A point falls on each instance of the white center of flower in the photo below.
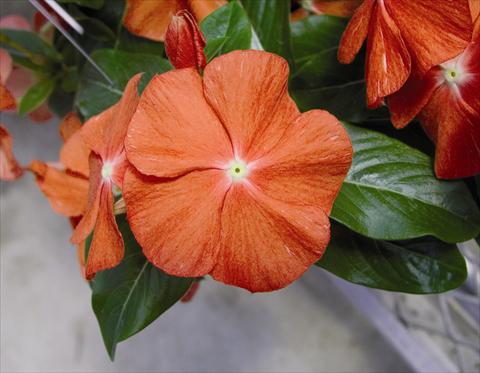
(452, 75)
(237, 170)
(107, 170)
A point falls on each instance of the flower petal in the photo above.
(41, 114)
(7, 101)
(6, 66)
(87, 224)
(388, 60)
(106, 248)
(248, 91)
(150, 19)
(446, 29)
(339, 8)
(455, 129)
(174, 130)
(309, 164)
(202, 8)
(15, 22)
(74, 154)
(9, 167)
(267, 244)
(356, 32)
(70, 124)
(177, 222)
(407, 102)
(66, 193)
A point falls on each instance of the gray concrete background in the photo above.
(47, 325)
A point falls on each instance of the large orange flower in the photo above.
(104, 134)
(150, 19)
(401, 34)
(231, 179)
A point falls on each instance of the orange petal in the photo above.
(177, 223)
(356, 32)
(94, 130)
(248, 91)
(6, 66)
(267, 244)
(86, 225)
(309, 163)
(150, 19)
(15, 22)
(339, 8)
(9, 167)
(19, 81)
(474, 9)
(74, 154)
(202, 8)
(445, 29)
(41, 114)
(106, 248)
(70, 124)
(388, 60)
(7, 101)
(407, 102)
(174, 130)
(66, 193)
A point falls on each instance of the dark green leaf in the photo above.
(95, 94)
(131, 43)
(95, 4)
(227, 29)
(391, 193)
(27, 43)
(419, 266)
(130, 296)
(61, 102)
(36, 96)
(271, 22)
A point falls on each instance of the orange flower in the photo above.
(447, 98)
(401, 34)
(340, 8)
(9, 167)
(15, 80)
(65, 184)
(104, 134)
(231, 179)
(150, 19)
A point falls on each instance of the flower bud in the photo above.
(184, 42)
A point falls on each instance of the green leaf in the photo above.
(27, 43)
(131, 43)
(95, 94)
(227, 29)
(271, 22)
(419, 266)
(94, 4)
(132, 295)
(61, 102)
(36, 95)
(391, 193)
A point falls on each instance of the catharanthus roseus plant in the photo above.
(208, 139)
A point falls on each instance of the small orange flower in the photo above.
(9, 167)
(231, 179)
(402, 34)
(150, 19)
(104, 134)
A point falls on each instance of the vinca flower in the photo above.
(402, 35)
(104, 135)
(229, 178)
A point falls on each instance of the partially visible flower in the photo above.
(402, 34)
(230, 178)
(184, 42)
(104, 134)
(9, 167)
(340, 8)
(150, 19)
(447, 98)
(15, 81)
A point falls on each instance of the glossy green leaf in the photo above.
(271, 22)
(132, 295)
(95, 94)
(391, 193)
(420, 266)
(227, 29)
(27, 43)
(36, 95)
(131, 43)
(94, 4)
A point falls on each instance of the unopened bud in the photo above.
(184, 42)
